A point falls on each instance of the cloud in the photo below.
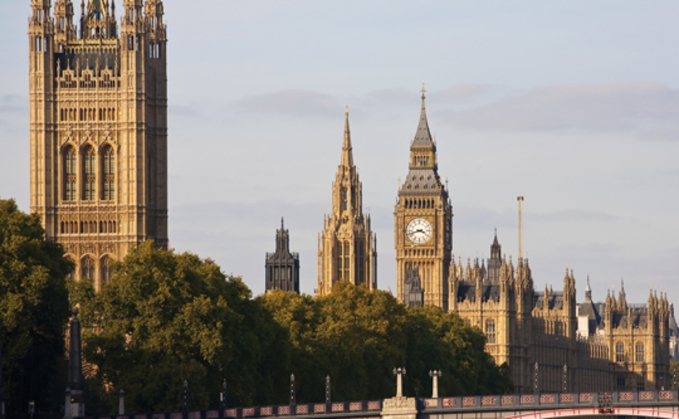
(647, 109)
(461, 92)
(572, 216)
(589, 249)
(300, 103)
(13, 104)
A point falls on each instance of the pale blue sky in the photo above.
(573, 104)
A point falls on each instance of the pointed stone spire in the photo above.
(588, 291)
(423, 135)
(347, 155)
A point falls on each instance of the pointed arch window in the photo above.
(89, 170)
(490, 331)
(69, 174)
(109, 174)
(87, 268)
(71, 273)
(346, 261)
(106, 270)
(640, 352)
(619, 352)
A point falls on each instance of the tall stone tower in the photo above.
(347, 249)
(98, 128)
(282, 267)
(423, 221)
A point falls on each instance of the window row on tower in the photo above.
(419, 203)
(88, 81)
(91, 173)
(87, 114)
(89, 268)
(344, 261)
(88, 227)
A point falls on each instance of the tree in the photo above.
(358, 336)
(34, 310)
(164, 318)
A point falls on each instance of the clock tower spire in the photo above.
(423, 220)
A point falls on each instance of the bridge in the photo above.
(651, 404)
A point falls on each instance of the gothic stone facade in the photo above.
(347, 248)
(423, 224)
(98, 128)
(282, 267)
(537, 333)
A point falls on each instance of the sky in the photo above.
(572, 104)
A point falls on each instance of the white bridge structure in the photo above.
(649, 404)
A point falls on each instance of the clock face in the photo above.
(418, 231)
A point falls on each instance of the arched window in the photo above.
(106, 270)
(87, 268)
(109, 174)
(639, 352)
(69, 174)
(619, 352)
(347, 264)
(490, 331)
(89, 170)
(71, 273)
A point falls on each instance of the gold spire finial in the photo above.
(423, 90)
(346, 110)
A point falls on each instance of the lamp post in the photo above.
(68, 412)
(536, 389)
(327, 389)
(565, 378)
(399, 373)
(292, 389)
(222, 395)
(435, 383)
(121, 402)
(185, 402)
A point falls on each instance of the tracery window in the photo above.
(639, 352)
(490, 331)
(619, 352)
(71, 273)
(109, 174)
(346, 261)
(106, 270)
(69, 174)
(87, 268)
(89, 170)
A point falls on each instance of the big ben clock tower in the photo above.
(423, 221)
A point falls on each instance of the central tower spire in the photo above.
(347, 155)
(347, 247)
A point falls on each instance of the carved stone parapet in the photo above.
(399, 407)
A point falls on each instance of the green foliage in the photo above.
(34, 310)
(358, 337)
(164, 318)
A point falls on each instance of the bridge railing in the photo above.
(366, 408)
(361, 408)
(517, 401)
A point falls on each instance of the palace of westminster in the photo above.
(98, 150)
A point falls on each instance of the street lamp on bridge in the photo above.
(435, 383)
